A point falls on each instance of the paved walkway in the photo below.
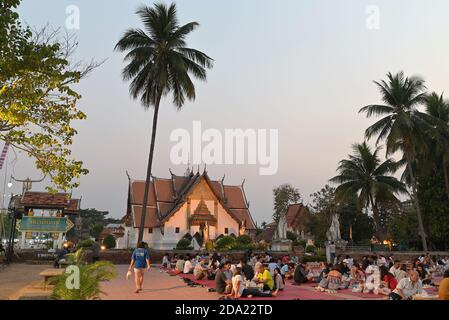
(16, 276)
(157, 286)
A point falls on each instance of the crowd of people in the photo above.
(384, 275)
(262, 275)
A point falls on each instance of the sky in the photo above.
(302, 67)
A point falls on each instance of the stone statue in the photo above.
(281, 233)
(333, 234)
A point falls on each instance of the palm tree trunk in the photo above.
(376, 216)
(416, 203)
(148, 178)
(446, 180)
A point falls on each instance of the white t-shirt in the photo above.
(409, 288)
(394, 272)
(187, 266)
(238, 287)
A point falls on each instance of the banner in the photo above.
(44, 224)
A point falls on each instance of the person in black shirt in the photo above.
(248, 271)
(222, 283)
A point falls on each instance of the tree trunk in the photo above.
(379, 228)
(416, 203)
(446, 181)
(148, 178)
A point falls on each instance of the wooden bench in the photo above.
(49, 273)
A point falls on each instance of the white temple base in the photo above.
(282, 245)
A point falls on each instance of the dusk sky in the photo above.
(302, 67)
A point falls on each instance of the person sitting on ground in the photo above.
(179, 268)
(222, 283)
(332, 282)
(325, 269)
(388, 282)
(396, 268)
(271, 266)
(166, 261)
(284, 269)
(357, 277)
(247, 270)
(402, 273)
(267, 258)
(200, 271)
(423, 275)
(407, 287)
(291, 270)
(279, 282)
(299, 276)
(443, 290)
(263, 278)
(239, 289)
(381, 261)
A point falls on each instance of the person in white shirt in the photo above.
(407, 287)
(402, 273)
(381, 261)
(394, 270)
(188, 267)
(239, 289)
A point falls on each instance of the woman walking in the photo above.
(140, 260)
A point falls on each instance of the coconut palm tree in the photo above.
(403, 126)
(160, 62)
(438, 110)
(364, 175)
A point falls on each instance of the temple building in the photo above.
(191, 206)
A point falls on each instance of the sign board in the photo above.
(44, 224)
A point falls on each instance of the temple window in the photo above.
(150, 230)
(226, 231)
(177, 230)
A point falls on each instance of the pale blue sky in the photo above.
(303, 67)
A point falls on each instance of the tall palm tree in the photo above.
(159, 62)
(402, 126)
(364, 175)
(438, 110)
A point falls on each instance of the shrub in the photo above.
(86, 243)
(292, 236)
(183, 244)
(244, 239)
(109, 242)
(262, 245)
(90, 278)
(299, 243)
(310, 249)
(226, 243)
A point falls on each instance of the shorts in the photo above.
(139, 270)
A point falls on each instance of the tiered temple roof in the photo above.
(166, 196)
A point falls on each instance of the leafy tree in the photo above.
(325, 204)
(363, 175)
(435, 207)
(284, 196)
(402, 127)
(159, 62)
(438, 110)
(109, 242)
(96, 230)
(37, 102)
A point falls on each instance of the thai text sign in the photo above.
(44, 224)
